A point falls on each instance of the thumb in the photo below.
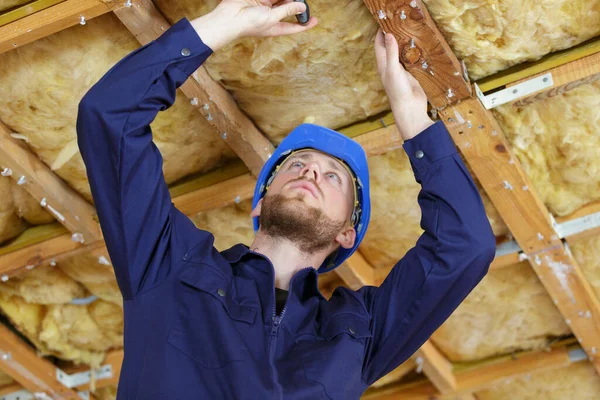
(391, 51)
(288, 10)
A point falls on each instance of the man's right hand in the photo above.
(233, 19)
(406, 96)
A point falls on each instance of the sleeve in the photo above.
(449, 259)
(123, 165)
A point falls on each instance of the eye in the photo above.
(333, 175)
(296, 164)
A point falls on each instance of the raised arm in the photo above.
(455, 250)
(123, 165)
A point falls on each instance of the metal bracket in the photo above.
(514, 92)
(25, 395)
(81, 378)
(577, 225)
(507, 248)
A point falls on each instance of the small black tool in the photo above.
(304, 17)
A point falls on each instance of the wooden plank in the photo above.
(34, 373)
(146, 23)
(51, 20)
(528, 69)
(474, 379)
(66, 205)
(486, 149)
(589, 211)
(436, 367)
(25, 10)
(565, 77)
(10, 388)
(423, 49)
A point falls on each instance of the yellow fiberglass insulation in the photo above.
(38, 302)
(587, 255)
(577, 381)
(557, 142)
(18, 209)
(492, 35)
(43, 82)
(326, 75)
(395, 214)
(509, 310)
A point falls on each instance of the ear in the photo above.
(256, 211)
(346, 237)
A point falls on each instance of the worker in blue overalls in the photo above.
(250, 322)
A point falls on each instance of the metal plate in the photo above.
(515, 92)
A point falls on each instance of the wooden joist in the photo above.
(66, 205)
(423, 50)
(20, 362)
(146, 23)
(485, 147)
(51, 20)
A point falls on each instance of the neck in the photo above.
(287, 259)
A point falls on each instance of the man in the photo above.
(200, 324)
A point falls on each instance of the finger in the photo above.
(287, 10)
(380, 51)
(288, 28)
(391, 55)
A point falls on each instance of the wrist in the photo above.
(215, 30)
(410, 126)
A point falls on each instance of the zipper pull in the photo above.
(276, 322)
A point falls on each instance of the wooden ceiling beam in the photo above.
(483, 144)
(423, 49)
(36, 374)
(146, 23)
(51, 20)
(66, 205)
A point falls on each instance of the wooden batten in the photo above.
(423, 50)
(146, 23)
(66, 205)
(36, 374)
(51, 20)
(485, 147)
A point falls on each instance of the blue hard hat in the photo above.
(310, 136)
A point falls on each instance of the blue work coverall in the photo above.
(201, 324)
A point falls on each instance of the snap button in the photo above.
(351, 329)
(221, 292)
(419, 154)
(185, 51)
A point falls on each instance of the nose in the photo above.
(311, 171)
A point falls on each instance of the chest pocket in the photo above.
(211, 322)
(334, 359)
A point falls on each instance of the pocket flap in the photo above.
(211, 281)
(348, 323)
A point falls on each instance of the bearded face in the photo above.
(293, 219)
(309, 203)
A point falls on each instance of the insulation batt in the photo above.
(508, 311)
(492, 35)
(43, 82)
(577, 381)
(557, 142)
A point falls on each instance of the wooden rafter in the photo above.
(146, 23)
(51, 20)
(423, 49)
(485, 147)
(66, 205)
(20, 362)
